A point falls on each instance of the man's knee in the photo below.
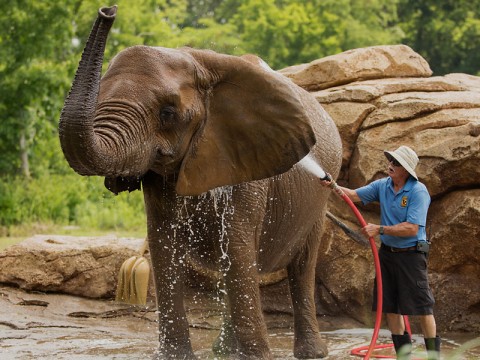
(395, 323)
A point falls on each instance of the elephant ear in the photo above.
(256, 124)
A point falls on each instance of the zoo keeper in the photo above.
(404, 203)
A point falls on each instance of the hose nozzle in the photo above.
(333, 184)
(327, 177)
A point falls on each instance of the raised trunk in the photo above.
(86, 152)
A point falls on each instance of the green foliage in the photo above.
(285, 32)
(445, 32)
(68, 200)
(143, 22)
(212, 36)
(41, 43)
(32, 73)
(377, 26)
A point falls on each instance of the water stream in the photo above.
(310, 164)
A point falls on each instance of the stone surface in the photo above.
(455, 265)
(65, 327)
(84, 266)
(374, 62)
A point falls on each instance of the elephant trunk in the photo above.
(86, 151)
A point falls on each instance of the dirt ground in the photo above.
(55, 326)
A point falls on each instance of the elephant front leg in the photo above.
(247, 321)
(308, 343)
(167, 250)
(174, 336)
(226, 342)
(239, 262)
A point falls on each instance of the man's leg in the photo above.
(432, 341)
(395, 323)
(428, 325)
(401, 339)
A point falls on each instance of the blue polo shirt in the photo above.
(410, 204)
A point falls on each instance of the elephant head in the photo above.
(201, 118)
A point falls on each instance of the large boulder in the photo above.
(439, 117)
(85, 266)
(455, 263)
(374, 62)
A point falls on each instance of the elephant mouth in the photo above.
(165, 163)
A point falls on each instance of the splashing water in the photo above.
(218, 200)
(223, 195)
(309, 164)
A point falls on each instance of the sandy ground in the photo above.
(54, 326)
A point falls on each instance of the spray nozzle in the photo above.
(327, 177)
(333, 184)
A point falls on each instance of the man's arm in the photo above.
(352, 194)
(404, 229)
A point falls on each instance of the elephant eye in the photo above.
(167, 116)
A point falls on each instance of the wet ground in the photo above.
(41, 326)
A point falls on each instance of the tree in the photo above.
(445, 32)
(31, 73)
(198, 10)
(372, 22)
(287, 32)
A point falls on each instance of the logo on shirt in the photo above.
(404, 202)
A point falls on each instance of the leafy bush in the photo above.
(68, 200)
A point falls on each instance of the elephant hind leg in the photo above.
(301, 275)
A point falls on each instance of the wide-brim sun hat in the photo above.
(406, 157)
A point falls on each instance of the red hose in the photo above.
(378, 318)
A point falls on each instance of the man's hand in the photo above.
(325, 183)
(371, 230)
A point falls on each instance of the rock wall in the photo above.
(381, 98)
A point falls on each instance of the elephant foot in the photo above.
(226, 343)
(244, 356)
(310, 346)
(178, 353)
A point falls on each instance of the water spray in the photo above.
(311, 165)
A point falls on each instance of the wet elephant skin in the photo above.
(212, 140)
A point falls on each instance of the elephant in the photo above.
(213, 141)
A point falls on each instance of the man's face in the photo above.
(395, 170)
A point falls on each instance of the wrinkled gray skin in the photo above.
(180, 122)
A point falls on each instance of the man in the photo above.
(404, 203)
